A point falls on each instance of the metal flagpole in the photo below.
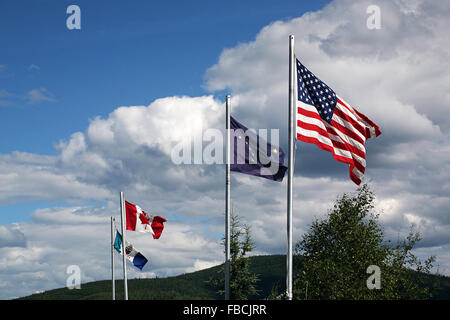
(291, 164)
(112, 260)
(122, 217)
(227, 203)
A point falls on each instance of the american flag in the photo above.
(325, 119)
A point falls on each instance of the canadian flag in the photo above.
(139, 220)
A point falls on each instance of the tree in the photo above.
(336, 252)
(242, 282)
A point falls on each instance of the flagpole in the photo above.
(291, 164)
(112, 260)
(227, 203)
(122, 218)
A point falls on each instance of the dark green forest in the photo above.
(196, 285)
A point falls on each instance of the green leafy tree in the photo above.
(242, 281)
(338, 249)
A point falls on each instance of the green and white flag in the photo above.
(132, 254)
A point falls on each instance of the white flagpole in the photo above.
(227, 204)
(112, 260)
(291, 164)
(122, 217)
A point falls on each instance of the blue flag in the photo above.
(253, 155)
(132, 254)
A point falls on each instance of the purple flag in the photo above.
(253, 155)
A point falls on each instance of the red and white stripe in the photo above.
(344, 137)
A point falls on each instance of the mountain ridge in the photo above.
(193, 286)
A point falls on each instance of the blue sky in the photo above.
(126, 53)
